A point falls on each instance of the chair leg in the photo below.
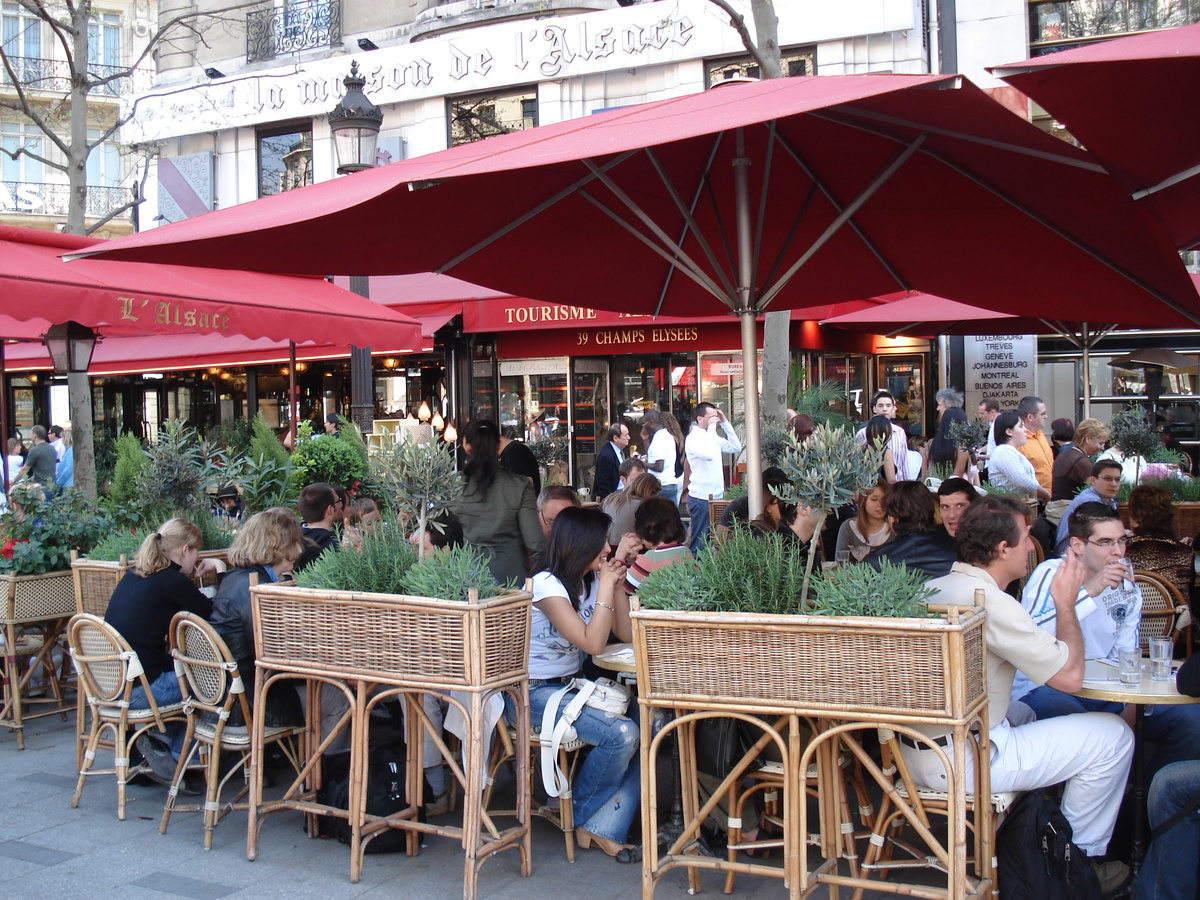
(566, 806)
(185, 760)
(89, 759)
(212, 798)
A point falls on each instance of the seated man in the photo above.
(955, 496)
(916, 541)
(320, 507)
(1090, 752)
(738, 509)
(553, 499)
(1104, 485)
(1109, 610)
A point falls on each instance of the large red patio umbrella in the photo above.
(790, 193)
(1123, 100)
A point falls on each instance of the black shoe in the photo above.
(192, 785)
(158, 758)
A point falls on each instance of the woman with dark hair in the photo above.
(497, 509)
(1154, 546)
(942, 449)
(869, 528)
(577, 602)
(879, 434)
(802, 426)
(659, 538)
(1008, 468)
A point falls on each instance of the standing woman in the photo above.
(577, 601)
(498, 509)
(1008, 467)
(942, 449)
(879, 434)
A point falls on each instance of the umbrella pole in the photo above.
(746, 310)
(1087, 370)
(293, 400)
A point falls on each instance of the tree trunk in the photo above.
(766, 26)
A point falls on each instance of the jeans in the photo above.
(698, 512)
(608, 786)
(165, 689)
(1169, 870)
(670, 492)
(1174, 730)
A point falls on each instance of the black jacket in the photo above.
(316, 542)
(141, 609)
(232, 619)
(608, 472)
(930, 552)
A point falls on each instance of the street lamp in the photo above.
(70, 346)
(355, 124)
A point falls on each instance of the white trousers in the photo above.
(1091, 752)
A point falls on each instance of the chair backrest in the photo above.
(1161, 603)
(107, 665)
(208, 673)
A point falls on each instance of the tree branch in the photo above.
(738, 21)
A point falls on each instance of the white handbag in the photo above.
(603, 694)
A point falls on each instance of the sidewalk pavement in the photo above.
(48, 849)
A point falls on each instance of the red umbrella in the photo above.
(859, 185)
(1122, 99)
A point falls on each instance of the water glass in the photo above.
(843, 557)
(1161, 653)
(1129, 661)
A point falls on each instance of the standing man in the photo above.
(709, 437)
(1090, 751)
(1109, 609)
(884, 404)
(608, 461)
(41, 465)
(1037, 449)
(56, 441)
(989, 410)
(661, 454)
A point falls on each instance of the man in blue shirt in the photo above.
(1105, 483)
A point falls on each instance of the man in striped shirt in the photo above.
(884, 404)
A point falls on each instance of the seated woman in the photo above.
(869, 528)
(917, 541)
(621, 506)
(1008, 467)
(577, 602)
(142, 606)
(659, 538)
(267, 545)
(1073, 465)
(362, 515)
(1154, 546)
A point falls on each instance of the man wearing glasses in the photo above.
(1104, 485)
(1109, 609)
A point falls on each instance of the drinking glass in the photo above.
(1161, 652)
(1129, 661)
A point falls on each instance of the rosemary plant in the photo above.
(450, 574)
(857, 589)
(380, 568)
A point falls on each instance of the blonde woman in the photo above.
(267, 545)
(142, 605)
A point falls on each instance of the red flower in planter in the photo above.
(7, 550)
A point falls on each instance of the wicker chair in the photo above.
(716, 509)
(569, 757)
(1162, 606)
(108, 671)
(212, 689)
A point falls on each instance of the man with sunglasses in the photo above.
(1109, 609)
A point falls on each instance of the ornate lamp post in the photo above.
(70, 346)
(354, 124)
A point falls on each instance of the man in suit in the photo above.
(609, 460)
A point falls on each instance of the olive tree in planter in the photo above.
(417, 479)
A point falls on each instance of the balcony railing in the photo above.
(37, 199)
(291, 27)
(54, 76)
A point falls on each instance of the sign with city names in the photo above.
(1001, 367)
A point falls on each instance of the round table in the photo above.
(616, 658)
(1146, 693)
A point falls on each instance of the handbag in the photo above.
(603, 694)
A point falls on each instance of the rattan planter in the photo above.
(895, 669)
(393, 639)
(36, 598)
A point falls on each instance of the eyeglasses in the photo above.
(1107, 543)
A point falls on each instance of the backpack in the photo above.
(1036, 858)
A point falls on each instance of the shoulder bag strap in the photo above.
(553, 733)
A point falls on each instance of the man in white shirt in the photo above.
(661, 453)
(56, 441)
(989, 410)
(1091, 751)
(884, 404)
(710, 436)
(1109, 609)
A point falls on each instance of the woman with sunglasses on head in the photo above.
(578, 601)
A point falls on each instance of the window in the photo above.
(15, 136)
(487, 115)
(792, 63)
(103, 163)
(104, 40)
(22, 32)
(284, 160)
(1076, 19)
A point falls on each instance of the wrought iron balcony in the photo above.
(54, 76)
(38, 199)
(291, 27)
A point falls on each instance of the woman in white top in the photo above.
(867, 530)
(1007, 466)
(577, 601)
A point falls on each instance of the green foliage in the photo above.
(41, 540)
(450, 574)
(379, 568)
(131, 462)
(234, 435)
(1129, 433)
(828, 469)
(327, 458)
(180, 467)
(217, 535)
(417, 479)
(266, 482)
(825, 403)
(741, 489)
(1182, 490)
(940, 470)
(970, 434)
(104, 446)
(264, 445)
(746, 572)
(774, 442)
(547, 449)
(352, 435)
(122, 542)
(858, 590)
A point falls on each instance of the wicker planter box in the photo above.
(392, 638)
(1186, 519)
(868, 668)
(36, 598)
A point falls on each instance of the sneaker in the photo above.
(439, 805)
(158, 758)
(1113, 875)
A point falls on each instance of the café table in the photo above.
(1102, 682)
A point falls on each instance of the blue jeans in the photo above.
(1174, 730)
(165, 689)
(698, 512)
(671, 492)
(1169, 871)
(608, 786)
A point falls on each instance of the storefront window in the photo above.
(533, 397)
(721, 382)
(904, 377)
(851, 373)
(662, 382)
(483, 390)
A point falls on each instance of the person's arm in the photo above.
(889, 466)
(1064, 589)
(592, 637)
(530, 527)
(843, 539)
(727, 435)
(962, 459)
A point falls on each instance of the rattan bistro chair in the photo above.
(212, 689)
(1162, 606)
(108, 671)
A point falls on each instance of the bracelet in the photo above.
(605, 605)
